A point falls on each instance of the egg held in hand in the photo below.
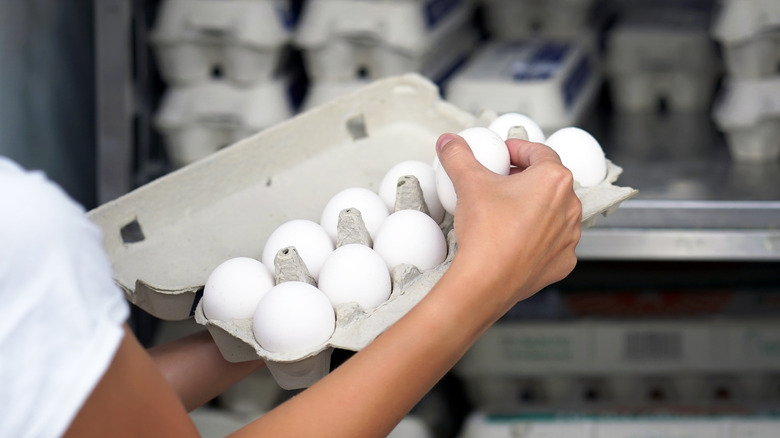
(372, 209)
(234, 288)
(355, 273)
(581, 153)
(411, 237)
(489, 149)
(502, 124)
(310, 240)
(425, 175)
(293, 317)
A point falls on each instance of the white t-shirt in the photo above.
(61, 313)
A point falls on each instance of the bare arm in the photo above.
(196, 370)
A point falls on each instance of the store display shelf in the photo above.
(695, 202)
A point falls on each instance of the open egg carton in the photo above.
(166, 237)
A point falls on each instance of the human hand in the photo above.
(518, 232)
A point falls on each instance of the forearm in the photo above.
(367, 395)
(196, 370)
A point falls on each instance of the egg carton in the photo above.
(749, 34)
(244, 39)
(197, 120)
(748, 112)
(390, 38)
(554, 83)
(589, 391)
(513, 19)
(165, 238)
(559, 353)
(618, 424)
(662, 55)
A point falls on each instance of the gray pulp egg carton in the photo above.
(163, 239)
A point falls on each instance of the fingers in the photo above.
(524, 154)
(457, 158)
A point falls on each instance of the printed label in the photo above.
(656, 346)
(436, 10)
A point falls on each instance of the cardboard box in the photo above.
(166, 237)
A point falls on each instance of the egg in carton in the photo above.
(355, 327)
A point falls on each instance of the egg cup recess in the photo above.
(355, 327)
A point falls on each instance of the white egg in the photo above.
(489, 149)
(504, 122)
(293, 317)
(411, 237)
(581, 153)
(234, 288)
(355, 273)
(372, 209)
(308, 237)
(425, 175)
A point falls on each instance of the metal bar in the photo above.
(114, 116)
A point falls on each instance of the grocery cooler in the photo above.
(667, 327)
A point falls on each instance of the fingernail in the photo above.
(444, 139)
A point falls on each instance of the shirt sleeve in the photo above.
(62, 313)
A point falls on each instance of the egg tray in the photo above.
(164, 238)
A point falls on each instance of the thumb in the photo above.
(456, 157)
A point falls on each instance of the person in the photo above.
(70, 365)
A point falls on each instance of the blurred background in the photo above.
(668, 326)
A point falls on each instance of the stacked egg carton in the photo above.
(662, 52)
(166, 238)
(662, 71)
(347, 43)
(748, 108)
(587, 363)
(221, 60)
(520, 19)
(555, 83)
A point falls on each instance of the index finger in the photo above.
(524, 154)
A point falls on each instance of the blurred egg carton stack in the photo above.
(555, 83)
(223, 62)
(625, 378)
(558, 19)
(662, 52)
(662, 70)
(748, 108)
(347, 43)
